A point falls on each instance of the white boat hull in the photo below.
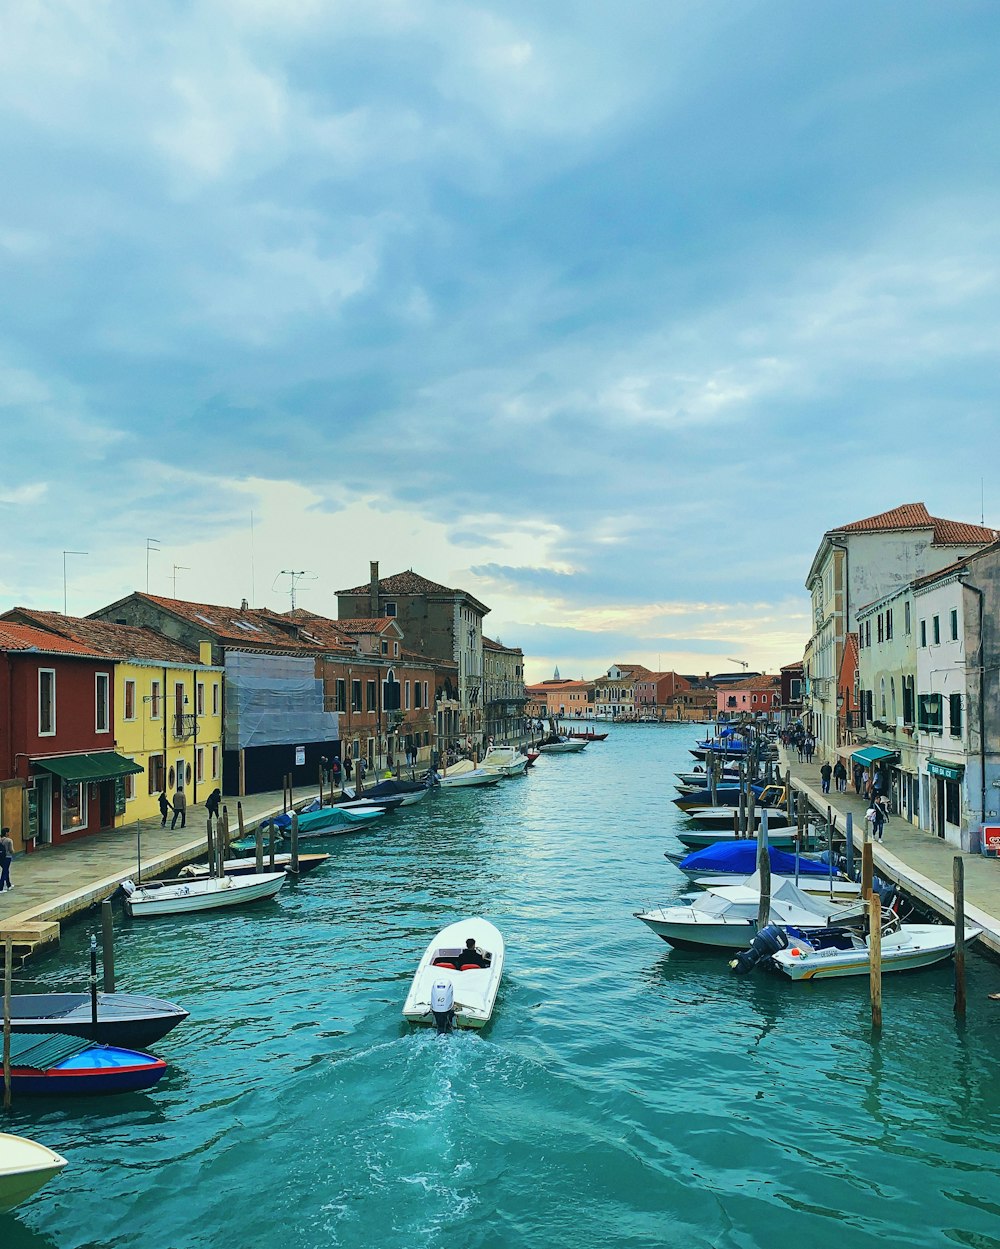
(24, 1167)
(466, 780)
(505, 761)
(818, 886)
(695, 838)
(475, 991)
(203, 895)
(913, 947)
(563, 748)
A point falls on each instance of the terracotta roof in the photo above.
(114, 640)
(764, 682)
(490, 645)
(407, 582)
(327, 632)
(367, 624)
(250, 627)
(19, 637)
(916, 516)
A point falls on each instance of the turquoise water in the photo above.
(625, 1094)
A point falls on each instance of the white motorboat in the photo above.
(447, 991)
(405, 792)
(726, 918)
(563, 746)
(722, 817)
(463, 780)
(695, 838)
(507, 760)
(24, 1167)
(729, 776)
(846, 953)
(199, 895)
(844, 890)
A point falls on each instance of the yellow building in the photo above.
(166, 710)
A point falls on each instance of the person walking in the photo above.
(825, 773)
(180, 807)
(840, 776)
(875, 815)
(212, 803)
(858, 776)
(335, 772)
(348, 767)
(6, 858)
(165, 807)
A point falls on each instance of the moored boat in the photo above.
(739, 858)
(329, 822)
(694, 838)
(722, 818)
(54, 1066)
(399, 793)
(25, 1166)
(186, 897)
(452, 988)
(248, 866)
(506, 760)
(842, 952)
(562, 745)
(130, 1020)
(469, 779)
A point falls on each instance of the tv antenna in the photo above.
(742, 662)
(179, 568)
(294, 577)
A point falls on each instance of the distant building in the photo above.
(753, 698)
(504, 694)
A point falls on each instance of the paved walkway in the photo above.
(56, 882)
(918, 861)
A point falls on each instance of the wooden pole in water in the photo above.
(295, 844)
(800, 815)
(108, 946)
(8, 961)
(829, 825)
(764, 870)
(210, 843)
(291, 791)
(270, 844)
(850, 844)
(259, 846)
(875, 954)
(239, 820)
(93, 981)
(866, 869)
(222, 842)
(958, 885)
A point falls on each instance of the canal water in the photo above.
(625, 1095)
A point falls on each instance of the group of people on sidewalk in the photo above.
(179, 807)
(870, 784)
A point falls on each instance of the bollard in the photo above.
(866, 868)
(108, 946)
(875, 955)
(222, 843)
(958, 885)
(270, 844)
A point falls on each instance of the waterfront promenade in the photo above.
(58, 882)
(920, 863)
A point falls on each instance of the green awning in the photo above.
(950, 771)
(873, 754)
(103, 766)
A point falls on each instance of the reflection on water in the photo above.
(625, 1093)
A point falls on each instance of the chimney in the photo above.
(373, 564)
(244, 605)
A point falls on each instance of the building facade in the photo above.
(504, 695)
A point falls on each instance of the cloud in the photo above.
(32, 492)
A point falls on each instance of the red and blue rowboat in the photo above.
(54, 1066)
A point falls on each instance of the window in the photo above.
(880, 626)
(427, 701)
(861, 637)
(341, 694)
(395, 650)
(907, 700)
(882, 697)
(906, 617)
(74, 806)
(199, 764)
(952, 803)
(156, 778)
(868, 633)
(199, 698)
(390, 609)
(929, 713)
(370, 703)
(356, 748)
(129, 700)
(406, 696)
(385, 647)
(102, 700)
(955, 714)
(417, 704)
(154, 705)
(355, 697)
(215, 698)
(795, 689)
(129, 781)
(923, 633)
(46, 702)
(888, 624)
(215, 763)
(892, 697)
(954, 626)
(937, 630)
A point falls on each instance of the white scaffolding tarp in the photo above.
(275, 700)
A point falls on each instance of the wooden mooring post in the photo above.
(867, 867)
(295, 843)
(8, 961)
(875, 955)
(108, 946)
(210, 846)
(259, 846)
(958, 885)
(764, 870)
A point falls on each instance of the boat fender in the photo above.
(766, 943)
(443, 1004)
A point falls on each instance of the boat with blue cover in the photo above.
(328, 822)
(54, 1066)
(739, 858)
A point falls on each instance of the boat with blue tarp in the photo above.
(54, 1066)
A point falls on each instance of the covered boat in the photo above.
(398, 793)
(126, 1019)
(24, 1167)
(739, 858)
(456, 985)
(329, 822)
(188, 896)
(54, 1066)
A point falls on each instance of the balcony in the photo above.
(185, 727)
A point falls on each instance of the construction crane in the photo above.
(742, 662)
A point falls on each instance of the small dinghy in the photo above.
(200, 895)
(127, 1019)
(694, 837)
(456, 984)
(53, 1066)
(24, 1167)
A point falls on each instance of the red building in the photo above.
(60, 777)
(653, 692)
(754, 697)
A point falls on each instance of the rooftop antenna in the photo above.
(982, 502)
(65, 553)
(179, 568)
(294, 577)
(742, 662)
(253, 586)
(152, 544)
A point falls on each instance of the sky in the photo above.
(603, 313)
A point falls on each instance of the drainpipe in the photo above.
(842, 546)
(967, 585)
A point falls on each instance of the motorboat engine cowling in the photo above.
(766, 943)
(443, 1004)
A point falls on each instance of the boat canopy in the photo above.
(741, 857)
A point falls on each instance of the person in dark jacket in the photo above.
(840, 776)
(826, 772)
(212, 803)
(165, 808)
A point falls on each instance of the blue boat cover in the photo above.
(740, 857)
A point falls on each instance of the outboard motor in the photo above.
(443, 1005)
(128, 888)
(767, 942)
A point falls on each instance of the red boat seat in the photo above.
(470, 967)
(443, 962)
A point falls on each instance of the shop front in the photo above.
(76, 795)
